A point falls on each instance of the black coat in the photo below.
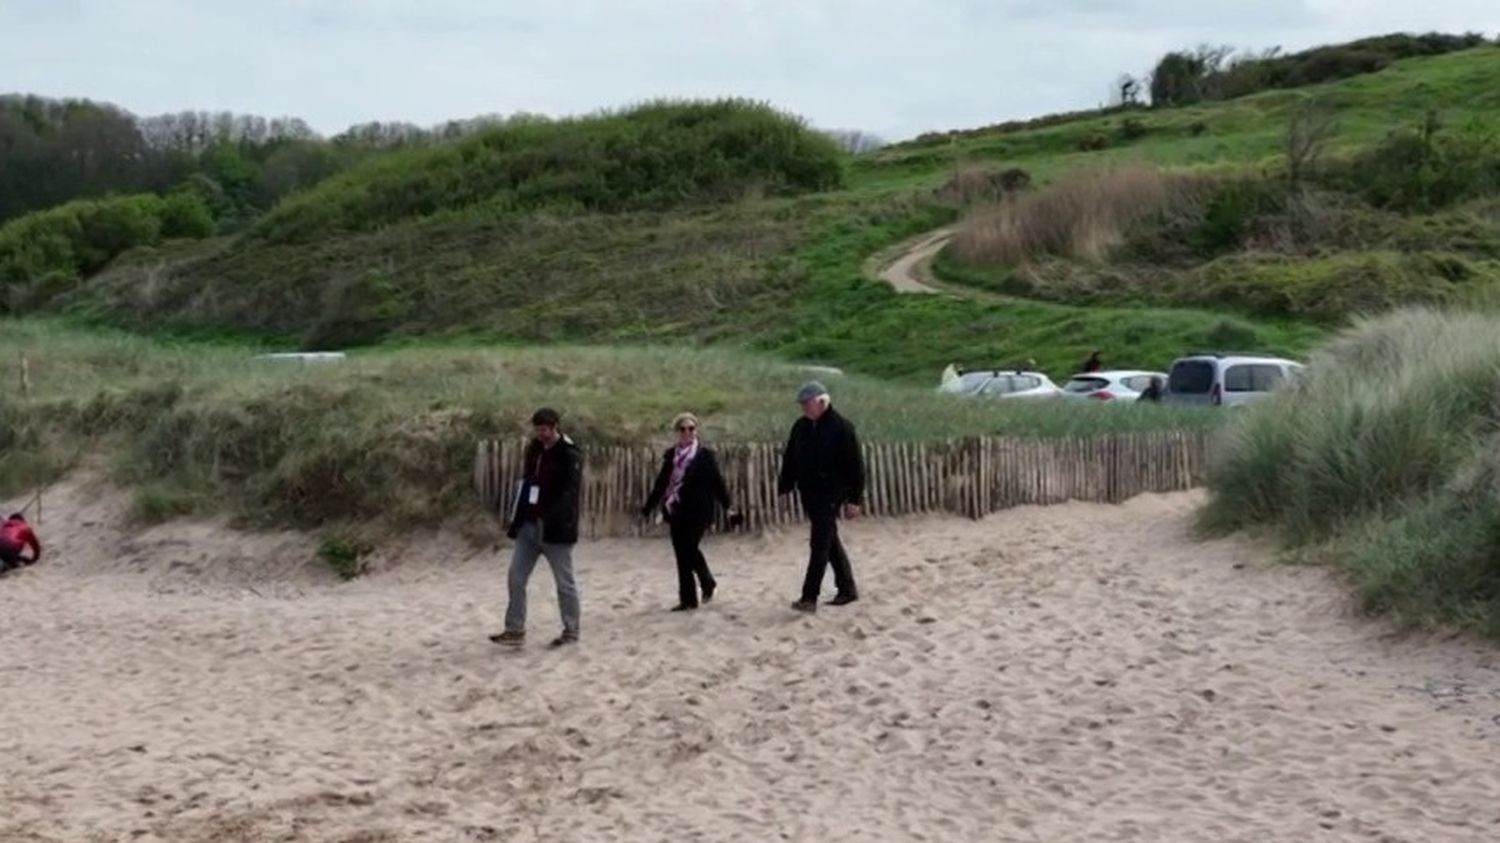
(823, 461)
(702, 488)
(559, 483)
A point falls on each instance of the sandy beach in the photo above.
(1073, 673)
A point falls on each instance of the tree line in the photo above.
(55, 151)
(1218, 72)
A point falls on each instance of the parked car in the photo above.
(1122, 386)
(1001, 384)
(1228, 380)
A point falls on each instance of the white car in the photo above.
(1002, 384)
(1121, 386)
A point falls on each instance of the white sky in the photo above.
(893, 67)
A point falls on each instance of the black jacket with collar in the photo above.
(557, 473)
(702, 487)
(823, 461)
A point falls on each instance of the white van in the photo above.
(1225, 380)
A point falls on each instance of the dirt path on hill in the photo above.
(907, 267)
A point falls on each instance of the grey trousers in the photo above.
(530, 547)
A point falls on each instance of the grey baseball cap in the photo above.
(811, 390)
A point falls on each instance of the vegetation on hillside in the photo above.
(1384, 459)
(698, 224)
(649, 158)
(57, 151)
(388, 436)
(45, 254)
(1325, 230)
(1217, 73)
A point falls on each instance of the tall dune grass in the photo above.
(1386, 460)
(1081, 217)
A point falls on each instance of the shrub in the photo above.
(1427, 168)
(1232, 212)
(653, 157)
(1177, 80)
(1197, 128)
(344, 555)
(1231, 334)
(1131, 129)
(48, 251)
(977, 185)
(1093, 142)
(185, 215)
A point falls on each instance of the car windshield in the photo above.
(967, 384)
(1083, 386)
(1191, 377)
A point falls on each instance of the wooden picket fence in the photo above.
(968, 477)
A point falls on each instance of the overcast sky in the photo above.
(893, 67)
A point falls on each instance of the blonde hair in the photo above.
(683, 418)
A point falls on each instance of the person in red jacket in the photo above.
(16, 535)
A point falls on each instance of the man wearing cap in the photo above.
(824, 464)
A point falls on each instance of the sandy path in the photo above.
(1074, 673)
(908, 266)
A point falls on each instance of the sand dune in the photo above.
(1073, 673)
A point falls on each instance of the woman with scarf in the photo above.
(689, 489)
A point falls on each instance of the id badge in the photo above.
(535, 496)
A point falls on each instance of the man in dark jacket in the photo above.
(544, 523)
(824, 464)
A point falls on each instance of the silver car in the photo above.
(1001, 384)
(1226, 380)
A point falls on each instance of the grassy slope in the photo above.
(1246, 131)
(1354, 270)
(777, 274)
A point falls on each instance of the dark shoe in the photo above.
(708, 592)
(843, 599)
(805, 606)
(683, 607)
(563, 641)
(514, 639)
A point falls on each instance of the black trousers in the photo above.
(826, 549)
(686, 536)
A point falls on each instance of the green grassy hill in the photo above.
(734, 262)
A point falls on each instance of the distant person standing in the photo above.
(545, 523)
(823, 463)
(689, 489)
(15, 536)
(1153, 393)
(1092, 363)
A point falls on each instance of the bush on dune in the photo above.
(1384, 458)
(47, 252)
(654, 157)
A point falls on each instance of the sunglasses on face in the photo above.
(687, 428)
